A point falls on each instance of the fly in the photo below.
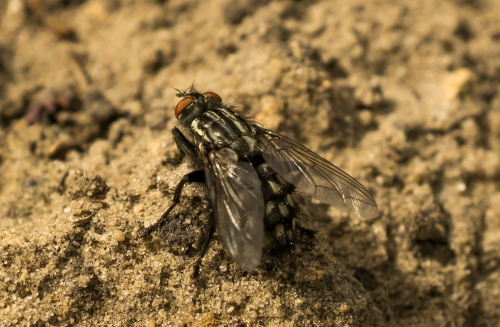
(251, 174)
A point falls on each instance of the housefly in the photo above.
(251, 174)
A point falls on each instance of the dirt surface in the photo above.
(403, 95)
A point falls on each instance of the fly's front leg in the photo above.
(184, 145)
(197, 176)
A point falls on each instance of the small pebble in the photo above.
(118, 235)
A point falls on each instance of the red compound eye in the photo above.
(212, 95)
(183, 104)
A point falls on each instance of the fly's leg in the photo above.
(197, 176)
(184, 145)
(204, 247)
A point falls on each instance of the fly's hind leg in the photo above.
(204, 247)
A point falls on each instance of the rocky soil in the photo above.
(402, 95)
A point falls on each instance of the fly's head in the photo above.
(194, 104)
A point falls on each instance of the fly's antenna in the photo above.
(179, 93)
(192, 89)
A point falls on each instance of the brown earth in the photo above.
(403, 95)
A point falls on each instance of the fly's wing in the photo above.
(236, 194)
(314, 175)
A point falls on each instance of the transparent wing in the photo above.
(314, 175)
(236, 194)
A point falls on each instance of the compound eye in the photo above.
(183, 104)
(212, 95)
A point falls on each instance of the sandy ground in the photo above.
(403, 95)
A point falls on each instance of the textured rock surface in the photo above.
(402, 95)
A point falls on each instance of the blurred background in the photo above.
(402, 95)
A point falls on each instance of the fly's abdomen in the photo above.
(225, 129)
(281, 207)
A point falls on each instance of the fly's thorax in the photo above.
(188, 116)
(224, 128)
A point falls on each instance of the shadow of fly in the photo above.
(251, 174)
